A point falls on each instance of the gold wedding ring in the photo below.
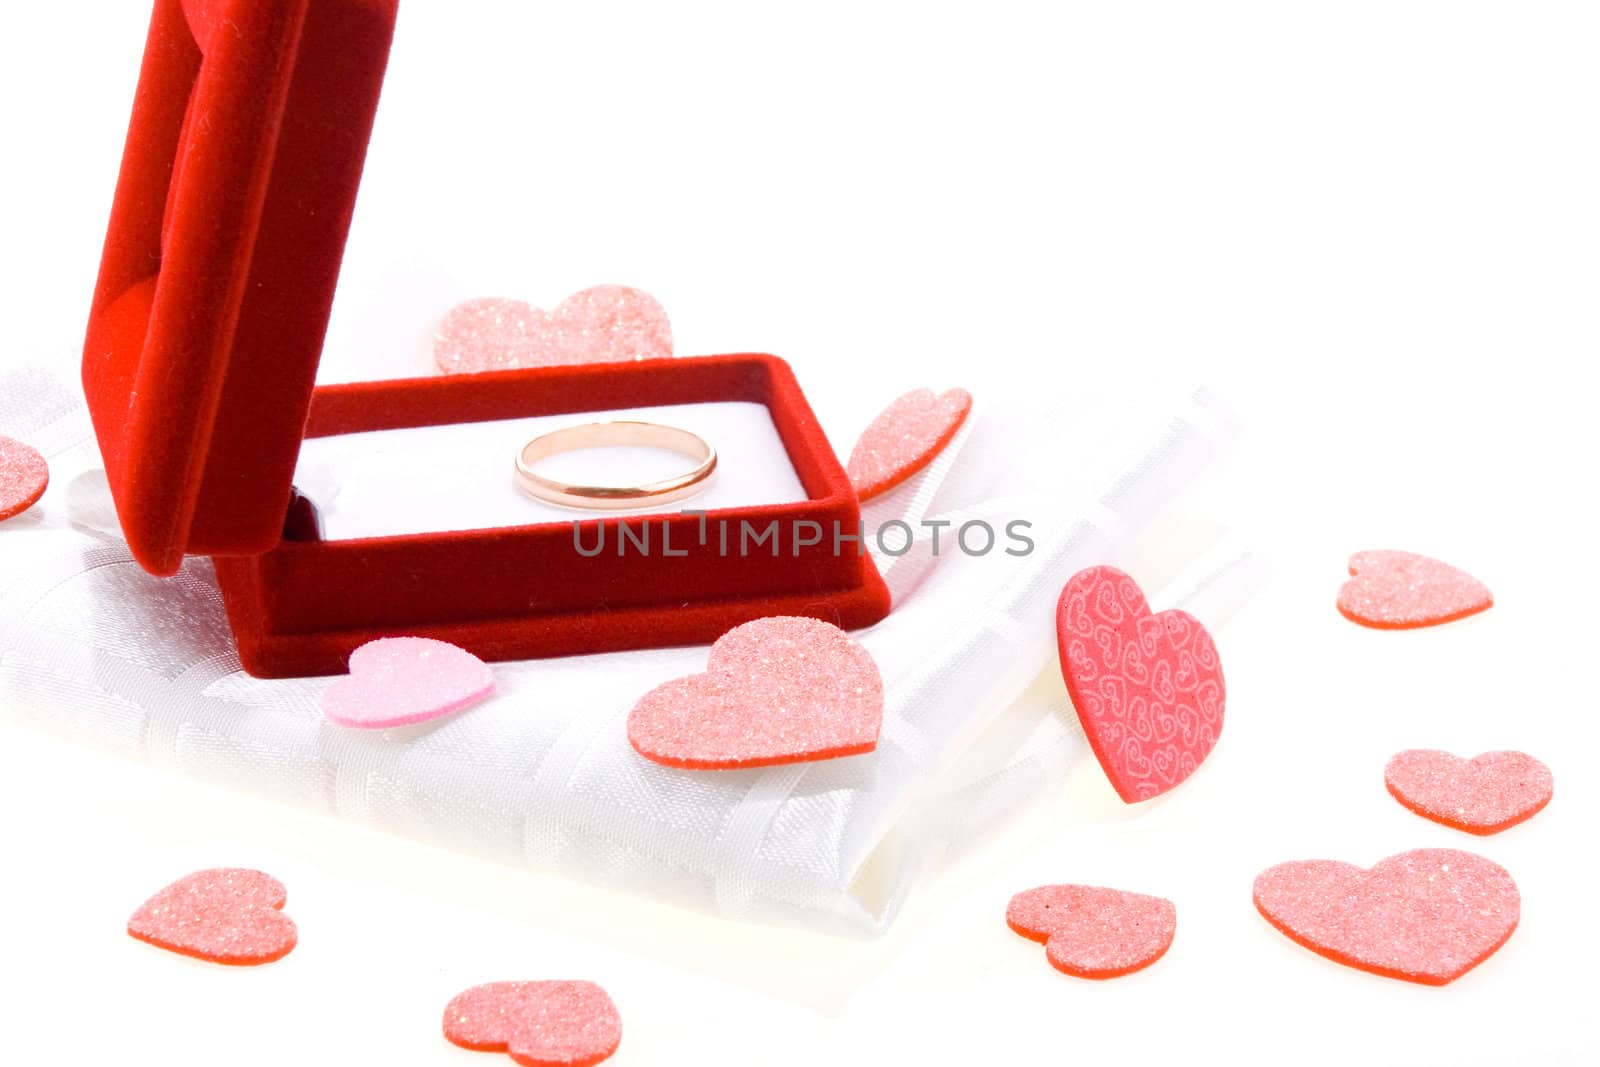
(616, 435)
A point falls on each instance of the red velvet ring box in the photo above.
(244, 154)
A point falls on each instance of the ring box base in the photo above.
(527, 591)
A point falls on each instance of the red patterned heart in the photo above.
(1148, 688)
(1092, 932)
(777, 690)
(1482, 795)
(1429, 915)
(540, 1024)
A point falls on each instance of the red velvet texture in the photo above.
(244, 153)
(526, 591)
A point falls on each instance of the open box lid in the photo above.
(238, 181)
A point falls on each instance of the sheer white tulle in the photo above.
(542, 775)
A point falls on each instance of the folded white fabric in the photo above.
(542, 774)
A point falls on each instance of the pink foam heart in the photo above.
(1483, 795)
(24, 476)
(777, 690)
(541, 1024)
(605, 324)
(905, 437)
(400, 681)
(1429, 916)
(1148, 689)
(1093, 932)
(226, 915)
(1392, 590)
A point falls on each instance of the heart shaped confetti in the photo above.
(1092, 932)
(1392, 590)
(1429, 916)
(905, 437)
(1148, 689)
(225, 915)
(24, 476)
(776, 690)
(605, 324)
(541, 1024)
(400, 681)
(1482, 795)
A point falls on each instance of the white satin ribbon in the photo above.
(542, 775)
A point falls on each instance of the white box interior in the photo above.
(431, 479)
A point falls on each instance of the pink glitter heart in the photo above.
(1092, 932)
(1429, 916)
(777, 690)
(226, 915)
(541, 1024)
(905, 437)
(605, 324)
(1148, 689)
(1392, 590)
(1483, 795)
(400, 681)
(24, 476)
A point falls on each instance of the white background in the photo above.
(1373, 227)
